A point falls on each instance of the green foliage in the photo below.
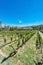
(23, 37)
(5, 40)
(18, 45)
(38, 40)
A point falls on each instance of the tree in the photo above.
(0, 24)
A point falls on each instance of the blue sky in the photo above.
(21, 12)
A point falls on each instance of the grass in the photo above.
(7, 62)
(24, 58)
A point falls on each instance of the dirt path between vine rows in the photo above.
(41, 34)
(3, 53)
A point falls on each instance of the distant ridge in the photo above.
(37, 27)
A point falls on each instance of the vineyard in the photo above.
(21, 47)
